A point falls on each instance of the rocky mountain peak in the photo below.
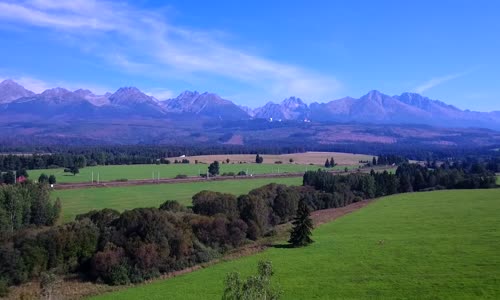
(130, 95)
(11, 90)
(57, 92)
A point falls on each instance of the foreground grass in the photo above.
(108, 173)
(80, 201)
(435, 245)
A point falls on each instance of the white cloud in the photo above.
(144, 42)
(433, 82)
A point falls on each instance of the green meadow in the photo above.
(433, 245)
(78, 201)
(108, 173)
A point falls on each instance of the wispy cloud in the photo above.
(144, 42)
(433, 82)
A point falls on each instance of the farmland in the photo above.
(130, 172)
(78, 201)
(317, 158)
(437, 245)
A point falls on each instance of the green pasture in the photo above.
(434, 245)
(108, 173)
(80, 201)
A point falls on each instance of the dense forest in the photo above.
(132, 246)
(19, 158)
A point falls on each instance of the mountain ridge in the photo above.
(373, 107)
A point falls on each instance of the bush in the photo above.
(122, 180)
(172, 205)
(228, 174)
(4, 289)
(181, 176)
(242, 173)
(278, 162)
(119, 275)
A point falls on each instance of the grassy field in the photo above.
(435, 245)
(80, 201)
(305, 158)
(108, 173)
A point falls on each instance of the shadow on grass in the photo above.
(283, 246)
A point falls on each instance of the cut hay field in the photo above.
(130, 172)
(434, 245)
(317, 158)
(78, 201)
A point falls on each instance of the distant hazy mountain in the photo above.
(376, 107)
(137, 102)
(50, 103)
(10, 91)
(97, 100)
(289, 109)
(129, 103)
(206, 104)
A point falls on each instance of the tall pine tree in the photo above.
(327, 163)
(302, 225)
(332, 162)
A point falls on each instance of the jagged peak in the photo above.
(187, 93)
(292, 101)
(58, 91)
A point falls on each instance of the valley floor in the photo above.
(434, 245)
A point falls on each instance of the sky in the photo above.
(252, 52)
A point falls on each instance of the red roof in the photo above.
(21, 179)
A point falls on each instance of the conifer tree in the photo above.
(302, 225)
(332, 162)
(327, 163)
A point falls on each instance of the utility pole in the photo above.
(98, 178)
(92, 176)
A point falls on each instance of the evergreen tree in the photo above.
(374, 161)
(302, 226)
(259, 159)
(213, 169)
(327, 163)
(332, 162)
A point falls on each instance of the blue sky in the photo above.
(256, 51)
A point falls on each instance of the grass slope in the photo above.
(108, 173)
(436, 245)
(80, 201)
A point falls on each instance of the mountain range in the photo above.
(130, 116)
(374, 107)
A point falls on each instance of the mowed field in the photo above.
(317, 158)
(78, 201)
(130, 172)
(433, 245)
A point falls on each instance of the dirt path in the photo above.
(327, 215)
